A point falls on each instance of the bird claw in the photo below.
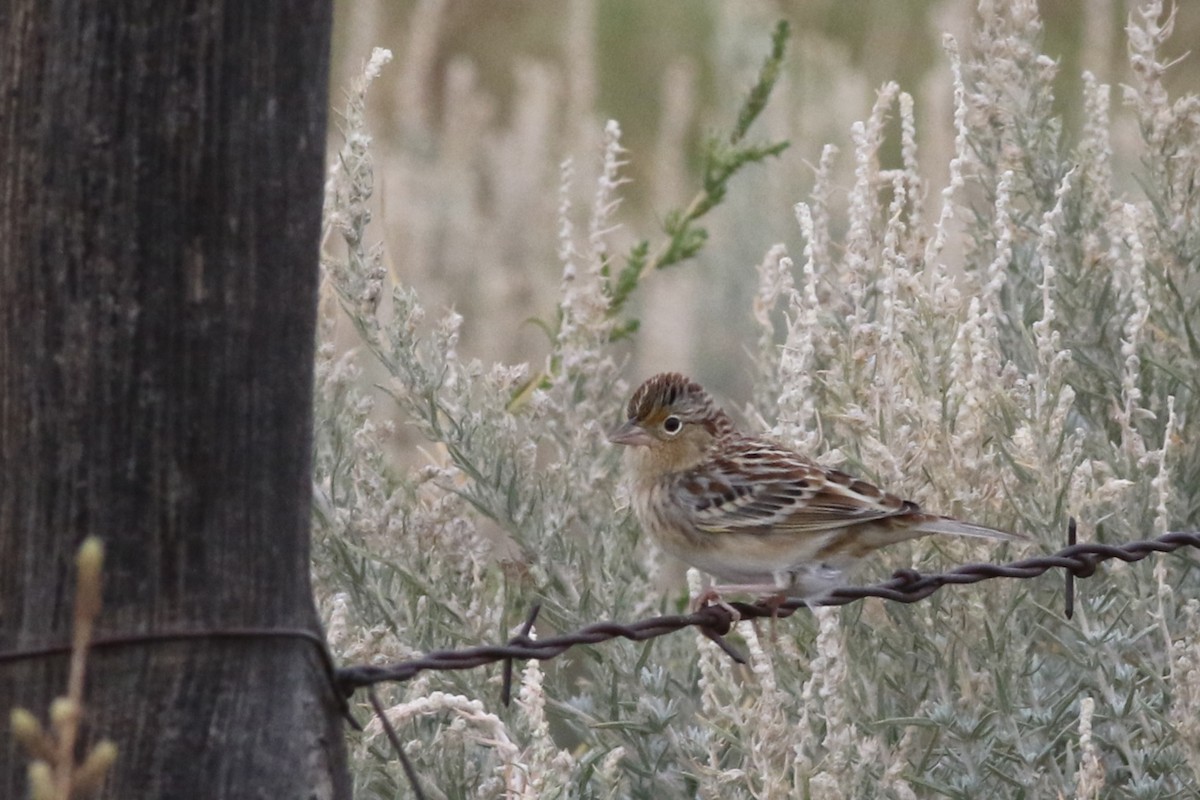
(773, 602)
(711, 597)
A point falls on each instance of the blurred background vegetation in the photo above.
(486, 99)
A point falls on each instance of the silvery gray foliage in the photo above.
(1013, 342)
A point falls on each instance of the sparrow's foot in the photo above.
(712, 597)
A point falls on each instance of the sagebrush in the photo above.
(1013, 344)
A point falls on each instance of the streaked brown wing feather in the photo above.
(756, 486)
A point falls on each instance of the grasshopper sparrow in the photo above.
(748, 511)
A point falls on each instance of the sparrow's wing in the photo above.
(758, 486)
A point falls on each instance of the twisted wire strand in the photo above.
(714, 621)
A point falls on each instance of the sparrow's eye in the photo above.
(672, 424)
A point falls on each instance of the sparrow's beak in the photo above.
(630, 433)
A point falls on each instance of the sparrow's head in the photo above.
(671, 408)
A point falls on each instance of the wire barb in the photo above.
(1069, 591)
(519, 640)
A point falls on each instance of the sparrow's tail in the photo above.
(956, 527)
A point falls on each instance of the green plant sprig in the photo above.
(723, 157)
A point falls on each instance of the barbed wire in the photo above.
(714, 621)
